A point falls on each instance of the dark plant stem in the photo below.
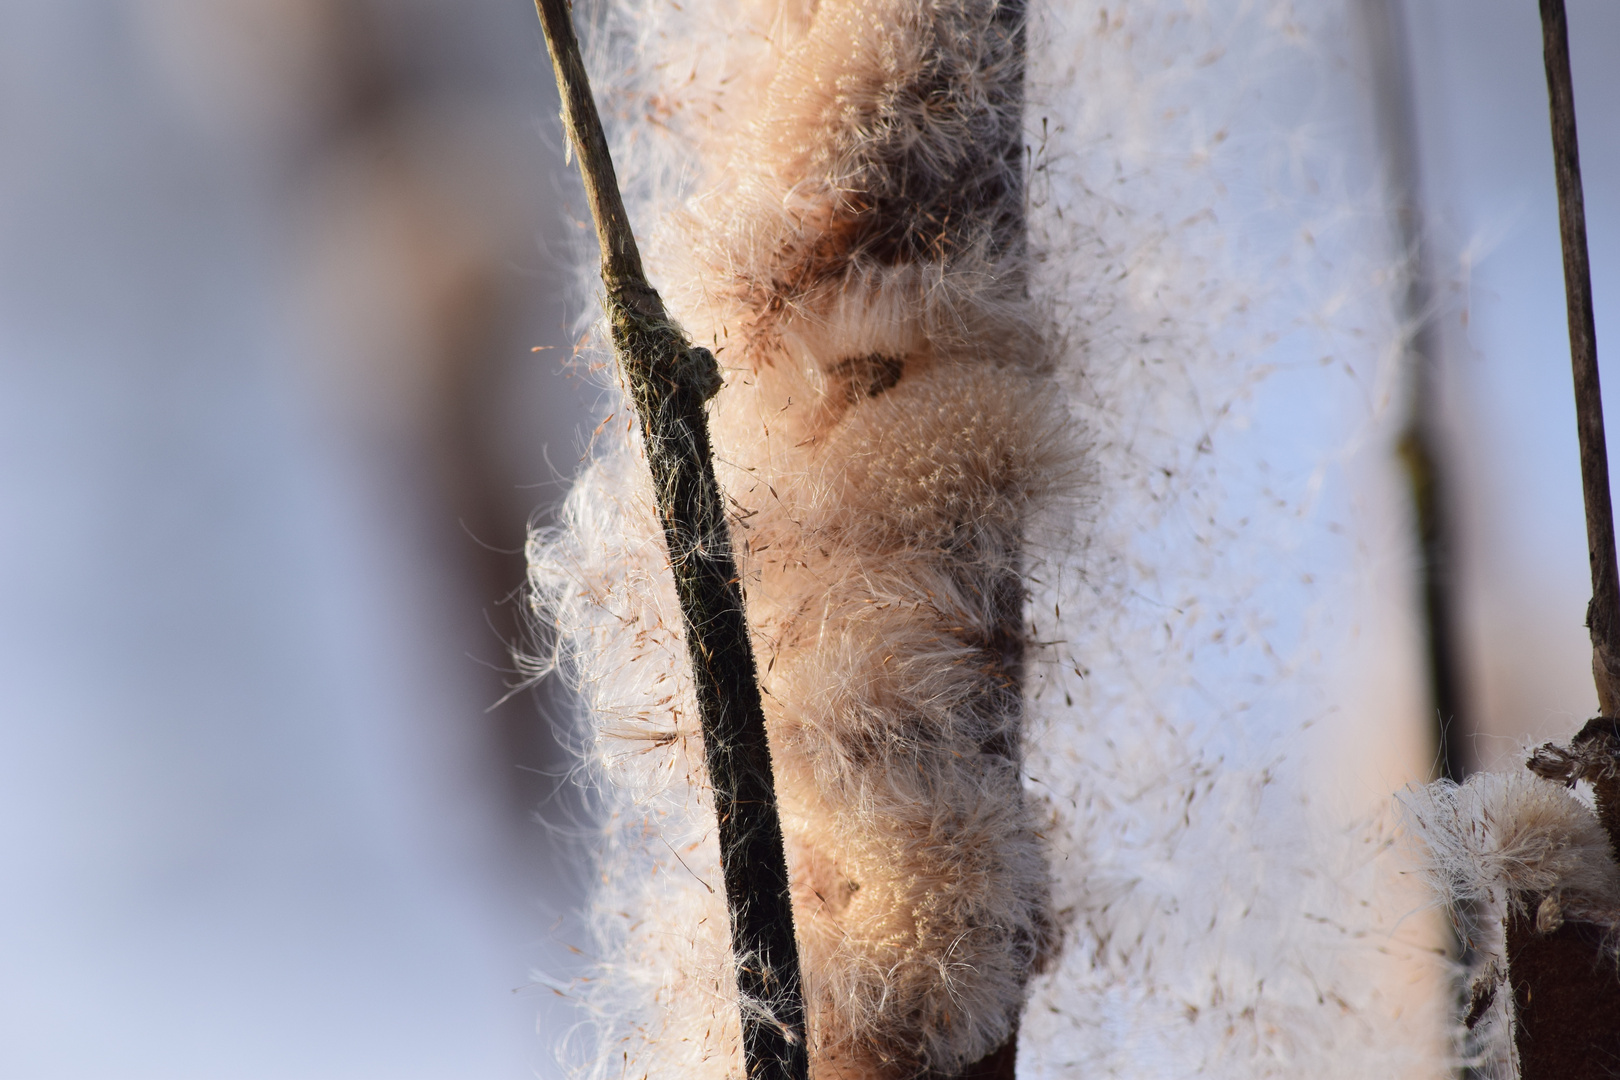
(670, 381)
(1566, 999)
(1566, 990)
(1603, 615)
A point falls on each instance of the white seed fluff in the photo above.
(949, 455)
(888, 434)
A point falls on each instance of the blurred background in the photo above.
(286, 306)
(272, 275)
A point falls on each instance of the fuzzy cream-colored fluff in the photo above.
(1004, 605)
(1497, 844)
(888, 433)
(1500, 838)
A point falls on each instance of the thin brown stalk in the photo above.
(1565, 988)
(1603, 616)
(670, 381)
(1603, 613)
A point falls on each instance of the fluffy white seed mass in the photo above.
(955, 425)
(1502, 837)
(888, 431)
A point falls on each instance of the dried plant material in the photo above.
(1516, 848)
(1533, 863)
(1500, 839)
(670, 381)
(927, 419)
(887, 431)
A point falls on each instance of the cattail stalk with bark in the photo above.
(670, 380)
(884, 428)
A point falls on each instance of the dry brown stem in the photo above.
(1566, 989)
(670, 381)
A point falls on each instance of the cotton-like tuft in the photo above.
(968, 437)
(1502, 838)
(853, 250)
(1507, 846)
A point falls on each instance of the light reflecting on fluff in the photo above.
(931, 432)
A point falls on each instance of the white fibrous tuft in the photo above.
(1507, 845)
(1501, 839)
(852, 248)
(1010, 627)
